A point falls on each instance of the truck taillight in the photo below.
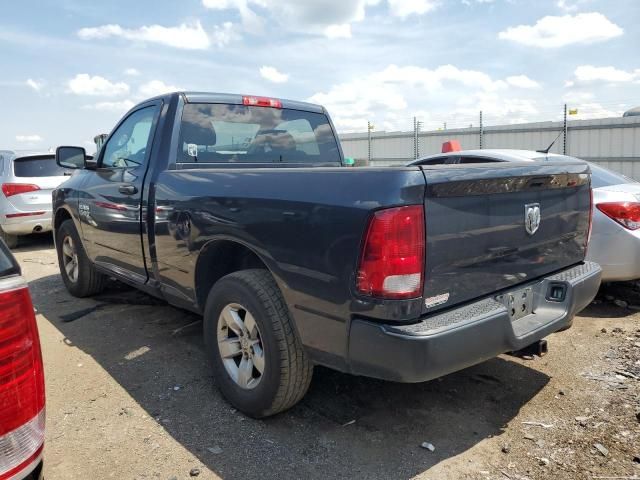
(626, 214)
(392, 258)
(10, 189)
(22, 396)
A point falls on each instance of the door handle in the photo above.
(128, 189)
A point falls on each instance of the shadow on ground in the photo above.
(34, 242)
(316, 439)
(614, 300)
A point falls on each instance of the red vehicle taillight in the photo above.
(22, 397)
(261, 102)
(626, 214)
(10, 189)
(392, 260)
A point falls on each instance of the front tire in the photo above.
(78, 273)
(10, 240)
(258, 361)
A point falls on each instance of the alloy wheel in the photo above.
(70, 258)
(240, 346)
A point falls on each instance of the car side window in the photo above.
(476, 160)
(127, 146)
(434, 161)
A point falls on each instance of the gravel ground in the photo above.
(129, 396)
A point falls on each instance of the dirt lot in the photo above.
(131, 397)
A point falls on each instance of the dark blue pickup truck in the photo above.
(240, 208)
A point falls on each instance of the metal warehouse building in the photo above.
(611, 142)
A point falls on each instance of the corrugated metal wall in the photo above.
(611, 142)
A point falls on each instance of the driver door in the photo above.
(112, 202)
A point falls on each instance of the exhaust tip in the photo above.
(37, 229)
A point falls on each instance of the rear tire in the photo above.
(81, 278)
(10, 240)
(286, 368)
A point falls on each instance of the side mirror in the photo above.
(73, 157)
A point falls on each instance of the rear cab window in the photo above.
(38, 166)
(225, 133)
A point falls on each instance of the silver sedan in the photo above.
(615, 234)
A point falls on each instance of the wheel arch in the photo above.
(220, 257)
(60, 216)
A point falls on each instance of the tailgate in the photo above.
(481, 226)
(36, 200)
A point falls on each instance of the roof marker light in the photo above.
(261, 102)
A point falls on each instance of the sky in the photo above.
(71, 68)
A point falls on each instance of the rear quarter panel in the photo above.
(306, 224)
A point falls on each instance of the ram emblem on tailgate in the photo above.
(532, 217)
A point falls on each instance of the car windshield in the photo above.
(220, 133)
(40, 166)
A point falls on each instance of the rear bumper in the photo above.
(26, 225)
(447, 342)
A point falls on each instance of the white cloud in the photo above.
(84, 84)
(156, 87)
(434, 79)
(273, 75)
(496, 108)
(35, 84)
(577, 97)
(332, 18)
(342, 30)
(566, 6)
(522, 81)
(570, 5)
(224, 34)
(28, 138)
(132, 72)
(116, 107)
(592, 74)
(405, 8)
(554, 32)
(185, 36)
(596, 110)
(584, 102)
(390, 97)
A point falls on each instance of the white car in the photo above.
(615, 233)
(27, 180)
